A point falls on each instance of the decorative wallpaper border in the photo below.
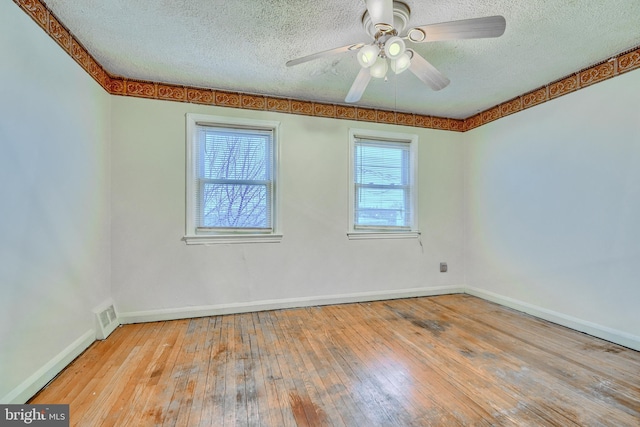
(619, 64)
(115, 85)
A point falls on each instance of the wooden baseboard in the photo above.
(29, 387)
(214, 310)
(593, 329)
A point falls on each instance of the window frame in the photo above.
(200, 235)
(384, 232)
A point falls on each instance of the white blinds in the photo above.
(382, 180)
(234, 179)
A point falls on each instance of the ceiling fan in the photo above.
(385, 21)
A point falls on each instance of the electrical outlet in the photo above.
(443, 267)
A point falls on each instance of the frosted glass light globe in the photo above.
(401, 64)
(379, 69)
(394, 47)
(367, 55)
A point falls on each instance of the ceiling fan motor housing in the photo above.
(401, 15)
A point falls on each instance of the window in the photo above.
(231, 180)
(383, 190)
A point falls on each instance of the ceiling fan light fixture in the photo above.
(394, 47)
(401, 64)
(367, 55)
(384, 20)
(379, 69)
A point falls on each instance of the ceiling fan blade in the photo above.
(476, 28)
(359, 85)
(324, 53)
(380, 12)
(427, 72)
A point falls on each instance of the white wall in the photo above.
(54, 211)
(153, 270)
(553, 206)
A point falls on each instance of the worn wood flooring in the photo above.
(451, 360)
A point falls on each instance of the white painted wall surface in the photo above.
(54, 209)
(154, 270)
(553, 205)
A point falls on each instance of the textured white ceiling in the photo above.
(243, 45)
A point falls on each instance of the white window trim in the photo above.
(192, 236)
(412, 139)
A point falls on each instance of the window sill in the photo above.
(364, 235)
(214, 239)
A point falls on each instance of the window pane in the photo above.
(235, 206)
(235, 156)
(382, 184)
(231, 183)
(235, 178)
(381, 207)
(383, 165)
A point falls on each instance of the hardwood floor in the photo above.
(446, 360)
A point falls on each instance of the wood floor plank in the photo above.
(257, 393)
(390, 381)
(430, 363)
(338, 376)
(279, 363)
(612, 359)
(407, 375)
(316, 335)
(188, 371)
(304, 400)
(191, 413)
(264, 357)
(73, 381)
(131, 390)
(566, 379)
(595, 355)
(309, 405)
(213, 404)
(362, 388)
(230, 391)
(447, 360)
(253, 381)
(502, 368)
(483, 369)
(242, 383)
(99, 394)
(159, 382)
